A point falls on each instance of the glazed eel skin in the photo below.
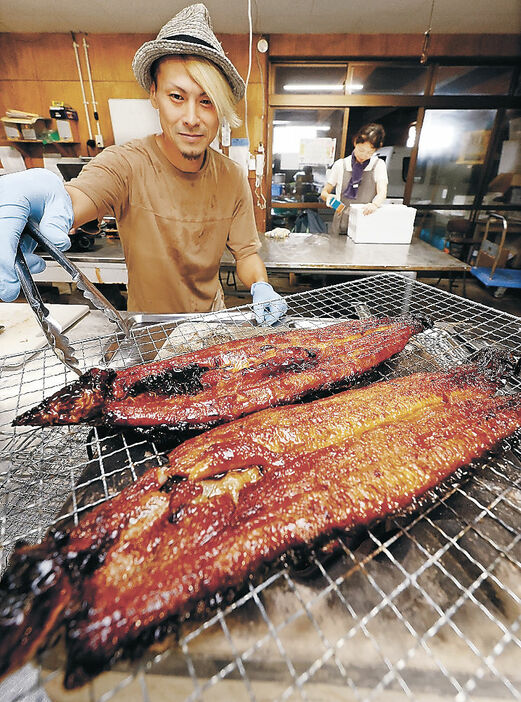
(224, 382)
(235, 498)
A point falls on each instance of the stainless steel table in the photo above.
(337, 254)
(104, 264)
(325, 254)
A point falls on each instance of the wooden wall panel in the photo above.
(37, 68)
(344, 45)
(476, 45)
(16, 94)
(37, 56)
(111, 55)
(393, 45)
(16, 57)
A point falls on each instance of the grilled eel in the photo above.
(235, 498)
(223, 382)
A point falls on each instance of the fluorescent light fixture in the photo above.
(353, 87)
(310, 87)
(281, 121)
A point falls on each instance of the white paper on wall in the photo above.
(64, 129)
(133, 119)
(317, 152)
(240, 152)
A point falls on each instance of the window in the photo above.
(355, 78)
(504, 185)
(386, 79)
(441, 122)
(472, 80)
(451, 155)
(304, 141)
(316, 80)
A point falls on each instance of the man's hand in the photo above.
(39, 195)
(268, 305)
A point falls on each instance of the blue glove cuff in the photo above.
(261, 284)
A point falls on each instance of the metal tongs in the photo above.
(59, 343)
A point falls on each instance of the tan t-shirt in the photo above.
(173, 226)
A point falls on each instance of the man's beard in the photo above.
(191, 155)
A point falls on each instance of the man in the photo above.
(177, 202)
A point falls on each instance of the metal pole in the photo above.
(99, 137)
(85, 102)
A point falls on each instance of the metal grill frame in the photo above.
(393, 617)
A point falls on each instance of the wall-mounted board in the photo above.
(132, 118)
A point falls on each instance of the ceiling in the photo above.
(268, 16)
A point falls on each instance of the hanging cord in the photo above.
(99, 138)
(261, 200)
(249, 71)
(80, 75)
(260, 156)
(427, 38)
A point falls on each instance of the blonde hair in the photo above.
(212, 81)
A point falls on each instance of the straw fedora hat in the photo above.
(189, 32)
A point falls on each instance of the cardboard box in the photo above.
(502, 182)
(390, 224)
(488, 253)
(485, 260)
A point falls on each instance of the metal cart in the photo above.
(499, 278)
(423, 608)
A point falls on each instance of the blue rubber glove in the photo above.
(268, 306)
(39, 195)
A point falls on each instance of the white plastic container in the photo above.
(390, 224)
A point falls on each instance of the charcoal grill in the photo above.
(421, 608)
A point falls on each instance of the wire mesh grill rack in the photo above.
(420, 608)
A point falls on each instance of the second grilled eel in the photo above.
(239, 496)
(223, 382)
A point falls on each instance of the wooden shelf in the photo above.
(34, 151)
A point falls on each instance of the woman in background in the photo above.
(359, 178)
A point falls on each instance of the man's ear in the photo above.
(153, 98)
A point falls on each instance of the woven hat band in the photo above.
(188, 39)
